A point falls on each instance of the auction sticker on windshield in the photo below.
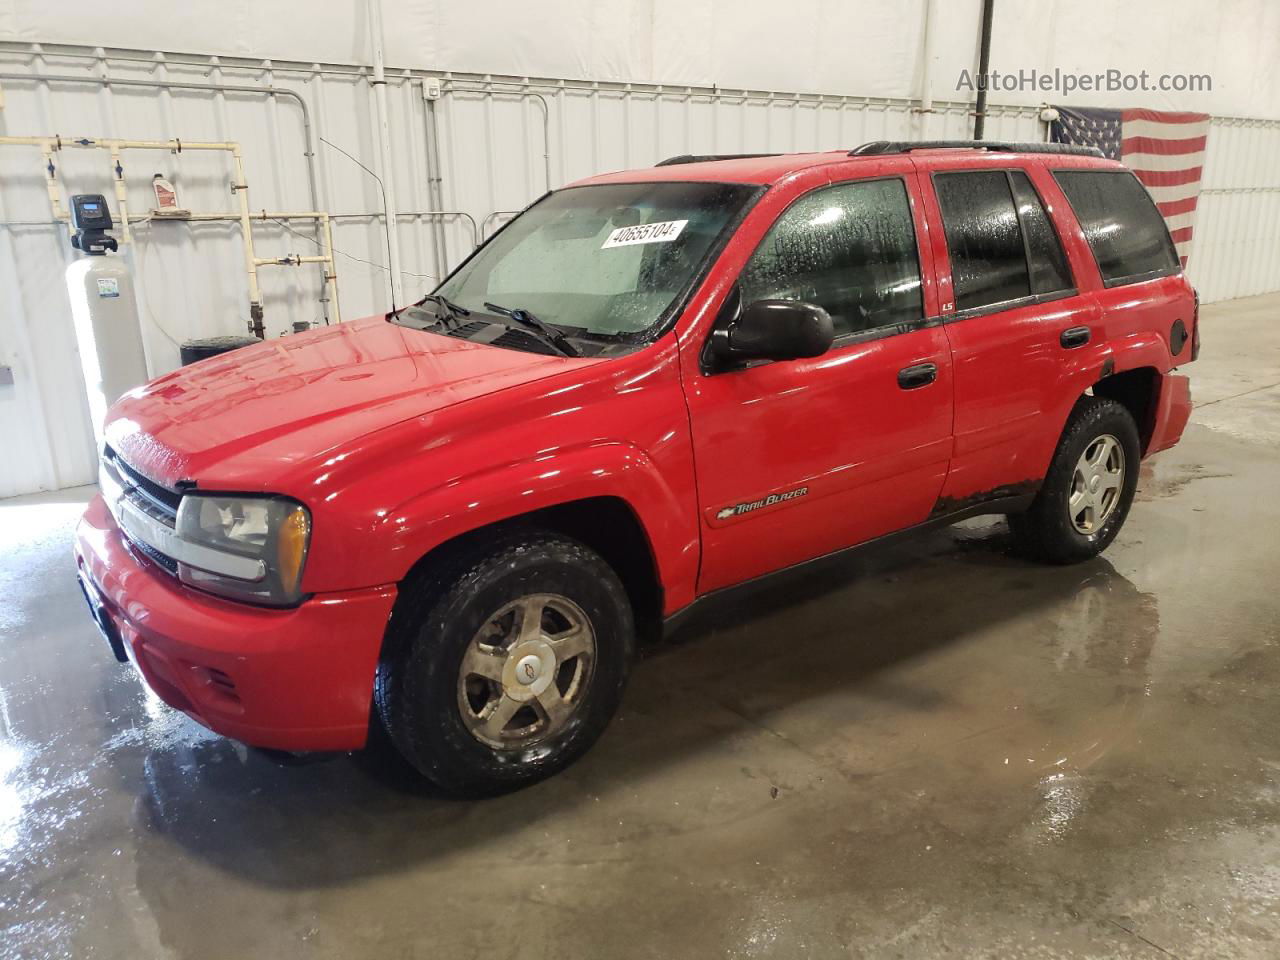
(663, 232)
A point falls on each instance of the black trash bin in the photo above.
(193, 350)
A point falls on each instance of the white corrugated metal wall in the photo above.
(501, 142)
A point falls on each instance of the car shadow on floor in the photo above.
(853, 628)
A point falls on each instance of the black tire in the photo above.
(438, 614)
(1045, 531)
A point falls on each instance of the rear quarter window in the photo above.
(1125, 231)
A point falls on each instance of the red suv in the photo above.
(458, 520)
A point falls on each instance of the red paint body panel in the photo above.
(398, 441)
(241, 419)
(870, 456)
(302, 679)
(618, 430)
(1172, 413)
(1015, 384)
(1014, 391)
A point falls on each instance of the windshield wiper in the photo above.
(451, 309)
(443, 314)
(526, 319)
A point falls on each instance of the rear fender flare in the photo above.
(1139, 350)
(1109, 357)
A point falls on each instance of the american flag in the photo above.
(1165, 149)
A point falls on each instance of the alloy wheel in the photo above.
(526, 671)
(1096, 484)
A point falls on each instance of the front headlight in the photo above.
(255, 548)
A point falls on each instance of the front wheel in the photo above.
(1089, 488)
(503, 669)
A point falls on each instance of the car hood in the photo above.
(249, 417)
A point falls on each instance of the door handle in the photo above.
(1074, 337)
(919, 375)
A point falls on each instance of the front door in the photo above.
(797, 459)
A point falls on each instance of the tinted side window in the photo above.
(851, 249)
(1125, 231)
(988, 260)
(1049, 272)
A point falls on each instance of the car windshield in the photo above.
(603, 262)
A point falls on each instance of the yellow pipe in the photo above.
(331, 275)
(51, 184)
(288, 261)
(50, 145)
(122, 196)
(250, 261)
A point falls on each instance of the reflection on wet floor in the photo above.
(935, 750)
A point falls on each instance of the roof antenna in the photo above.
(386, 212)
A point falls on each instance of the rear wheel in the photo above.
(1089, 488)
(504, 668)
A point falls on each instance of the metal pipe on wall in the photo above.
(523, 91)
(435, 180)
(379, 84)
(984, 68)
(271, 91)
(684, 91)
(305, 215)
(494, 217)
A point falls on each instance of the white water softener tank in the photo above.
(103, 310)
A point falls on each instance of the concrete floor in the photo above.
(939, 752)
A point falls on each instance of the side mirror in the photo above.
(775, 330)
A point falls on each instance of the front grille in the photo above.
(144, 491)
(161, 560)
(157, 501)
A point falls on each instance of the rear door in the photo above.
(1016, 324)
(801, 458)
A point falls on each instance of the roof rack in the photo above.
(703, 158)
(881, 147)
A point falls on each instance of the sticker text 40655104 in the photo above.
(662, 232)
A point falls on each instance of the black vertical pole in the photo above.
(984, 67)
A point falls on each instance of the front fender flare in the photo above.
(418, 525)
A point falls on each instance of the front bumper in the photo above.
(298, 679)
